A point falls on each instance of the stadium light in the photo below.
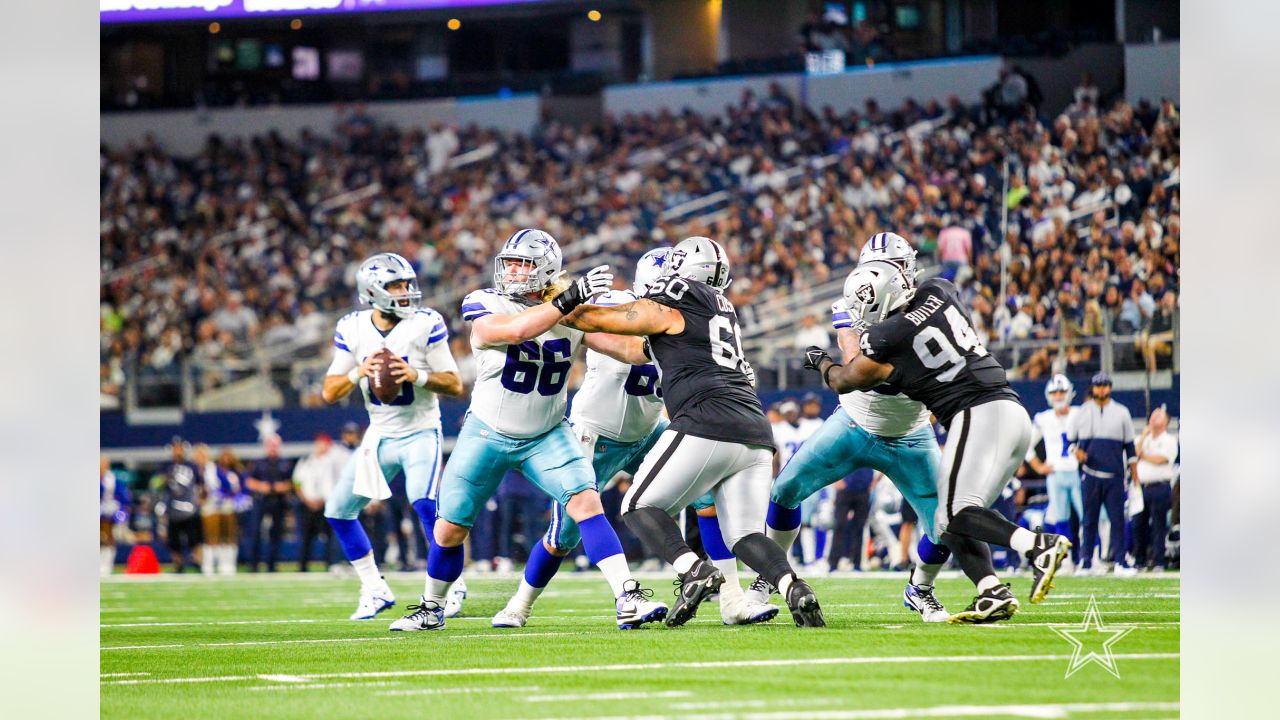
(454, 23)
(295, 24)
(215, 28)
(594, 15)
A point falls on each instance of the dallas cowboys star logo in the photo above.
(266, 425)
(1091, 631)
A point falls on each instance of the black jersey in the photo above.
(704, 380)
(936, 356)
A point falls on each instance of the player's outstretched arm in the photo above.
(623, 348)
(860, 373)
(641, 317)
(497, 330)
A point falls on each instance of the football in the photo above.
(381, 384)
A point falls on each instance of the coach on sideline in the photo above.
(1103, 436)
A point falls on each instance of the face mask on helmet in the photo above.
(382, 271)
(528, 262)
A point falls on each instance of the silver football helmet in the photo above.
(874, 290)
(648, 268)
(528, 262)
(892, 248)
(1059, 383)
(381, 270)
(700, 258)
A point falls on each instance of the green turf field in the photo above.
(258, 646)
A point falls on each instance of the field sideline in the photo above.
(279, 646)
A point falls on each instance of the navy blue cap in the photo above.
(1101, 379)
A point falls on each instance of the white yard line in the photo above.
(578, 697)
(443, 691)
(326, 686)
(124, 674)
(1024, 711)
(591, 669)
(450, 636)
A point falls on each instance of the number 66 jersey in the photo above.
(704, 375)
(520, 388)
(936, 356)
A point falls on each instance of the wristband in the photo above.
(826, 380)
(422, 378)
(354, 375)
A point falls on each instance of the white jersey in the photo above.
(1053, 429)
(790, 437)
(520, 389)
(890, 416)
(422, 341)
(619, 401)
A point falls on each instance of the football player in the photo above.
(879, 428)
(516, 420)
(719, 439)
(617, 416)
(1051, 456)
(919, 340)
(403, 434)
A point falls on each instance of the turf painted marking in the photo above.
(788, 662)
(221, 622)
(443, 691)
(138, 647)
(1023, 711)
(124, 674)
(483, 636)
(284, 678)
(326, 686)
(577, 697)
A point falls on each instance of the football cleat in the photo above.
(453, 601)
(921, 599)
(635, 608)
(993, 605)
(804, 605)
(373, 600)
(760, 592)
(509, 618)
(427, 615)
(745, 612)
(701, 582)
(1124, 570)
(1045, 559)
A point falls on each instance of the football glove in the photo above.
(598, 280)
(813, 357)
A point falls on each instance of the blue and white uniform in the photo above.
(1105, 433)
(516, 418)
(617, 416)
(880, 429)
(1052, 432)
(406, 431)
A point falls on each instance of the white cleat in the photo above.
(745, 612)
(635, 608)
(1125, 570)
(453, 601)
(427, 615)
(373, 600)
(510, 618)
(759, 592)
(921, 599)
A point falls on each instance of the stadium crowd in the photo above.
(249, 248)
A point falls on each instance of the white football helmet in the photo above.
(537, 251)
(1059, 383)
(379, 271)
(874, 290)
(892, 248)
(700, 258)
(648, 268)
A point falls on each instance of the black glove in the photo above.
(813, 357)
(599, 280)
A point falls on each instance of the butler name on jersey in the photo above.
(706, 380)
(936, 354)
(519, 389)
(420, 340)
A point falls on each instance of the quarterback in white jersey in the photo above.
(516, 420)
(403, 434)
(1051, 455)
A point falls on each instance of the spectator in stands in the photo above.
(1156, 338)
(1157, 452)
(955, 246)
(270, 482)
(315, 477)
(179, 506)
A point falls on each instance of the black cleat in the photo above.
(701, 582)
(994, 605)
(1045, 559)
(804, 605)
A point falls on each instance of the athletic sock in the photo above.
(605, 552)
(352, 538)
(782, 524)
(542, 566)
(426, 510)
(712, 540)
(987, 583)
(367, 570)
(525, 596)
(444, 566)
(685, 562)
(1023, 541)
(732, 587)
(925, 574)
(982, 524)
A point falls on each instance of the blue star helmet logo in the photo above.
(659, 260)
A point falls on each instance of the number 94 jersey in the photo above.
(520, 389)
(619, 401)
(936, 356)
(704, 375)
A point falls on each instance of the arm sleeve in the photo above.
(343, 359)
